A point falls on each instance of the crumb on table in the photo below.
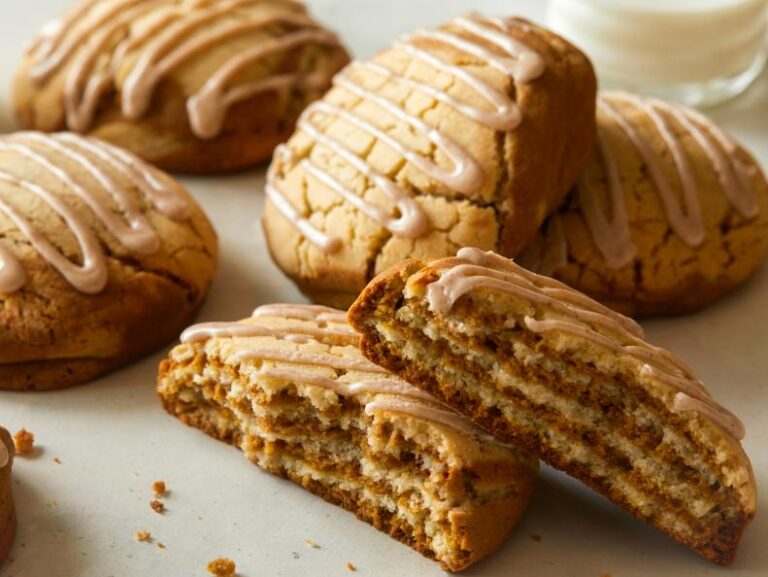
(24, 441)
(222, 567)
(159, 488)
(157, 506)
(535, 537)
(310, 543)
(161, 545)
(57, 460)
(351, 566)
(143, 536)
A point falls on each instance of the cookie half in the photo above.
(670, 214)
(548, 369)
(7, 508)
(103, 259)
(465, 135)
(290, 388)
(190, 86)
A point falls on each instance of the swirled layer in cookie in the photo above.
(291, 389)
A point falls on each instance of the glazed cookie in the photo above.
(547, 368)
(102, 259)
(194, 86)
(7, 508)
(470, 134)
(290, 388)
(670, 214)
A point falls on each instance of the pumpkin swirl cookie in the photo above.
(290, 388)
(190, 85)
(103, 259)
(670, 214)
(556, 373)
(7, 508)
(465, 135)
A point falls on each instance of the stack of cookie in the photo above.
(401, 184)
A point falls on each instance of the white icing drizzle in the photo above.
(90, 156)
(302, 358)
(564, 310)
(386, 392)
(89, 278)
(466, 172)
(205, 331)
(465, 175)
(327, 243)
(318, 313)
(611, 232)
(171, 38)
(209, 106)
(321, 316)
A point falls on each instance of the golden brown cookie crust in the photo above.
(527, 170)
(164, 134)
(7, 508)
(667, 275)
(57, 335)
(454, 356)
(208, 380)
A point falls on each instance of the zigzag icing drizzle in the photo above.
(96, 159)
(175, 32)
(569, 311)
(465, 175)
(610, 229)
(387, 392)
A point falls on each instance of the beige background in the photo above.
(78, 518)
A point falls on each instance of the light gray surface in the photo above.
(78, 518)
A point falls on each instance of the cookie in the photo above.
(7, 508)
(547, 368)
(189, 85)
(290, 388)
(103, 259)
(670, 214)
(466, 135)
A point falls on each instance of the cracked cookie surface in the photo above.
(466, 135)
(670, 214)
(102, 259)
(189, 85)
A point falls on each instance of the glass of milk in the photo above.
(698, 52)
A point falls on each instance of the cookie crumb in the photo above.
(161, 545)
(222, 567)
(351, 566)
(160, 489)
(143, 536)
(536, 537)
(310, 543)
(157, 506)
(24, 441)
(57, 460)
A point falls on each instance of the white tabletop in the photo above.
(78, 518)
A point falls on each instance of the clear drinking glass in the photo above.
(698, 52)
